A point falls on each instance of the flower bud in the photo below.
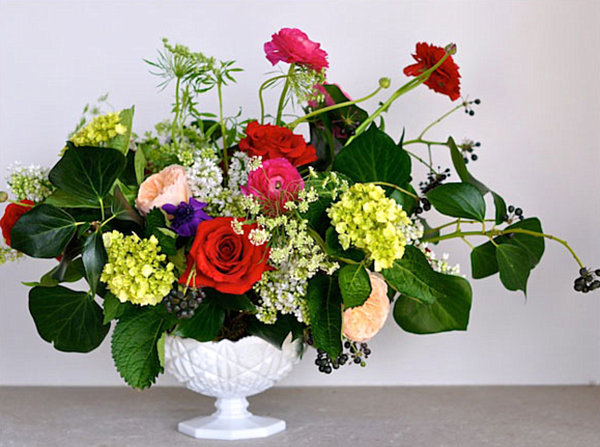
(385, 82)
(3, 196)
(451, 49)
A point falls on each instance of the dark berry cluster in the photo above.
(183, 302)
(422, 205)
(467, 149)
(513, 214)
(586, 282)
(469, 106)
(434, 179)
(353, 353)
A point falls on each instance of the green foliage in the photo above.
(121, 141)
(334, 248)
(483, 261)
(88, 172)
(325, 310)
(355, 285)
(240, 303)
(430, 301)
(63, 199)
(74, 271)
(374, 157)
(513, 264)
(277, 332)
(94, 257)
(71, 320)
(206, 323)
(43, 232)
(134, 345)
(406, 201)
(122, 210)
(139, 164)
(113, 308)
(458, 200)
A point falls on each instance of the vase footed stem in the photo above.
(232, 420)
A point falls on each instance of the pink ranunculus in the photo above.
(276, 182)
(168, 186)
(294, 47)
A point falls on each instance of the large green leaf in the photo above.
(325, 310)
(277, 332)
(483, 261)
(71, 320)
(430, 301)
(134, 348)
(458, 200)
(122, 210)
(205, 324)
(373, 156)
(88, 172)
(94, 257)
(62, 199)
(355, 285)
(121, 141)
(513, 264)
(43, 232)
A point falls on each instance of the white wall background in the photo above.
(535, 64)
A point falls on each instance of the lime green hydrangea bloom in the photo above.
(367, 219)
(136, 270)
(100, 130)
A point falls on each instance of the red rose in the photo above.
(445, 79)
(221, 259)
(12, 214)
(269, 141)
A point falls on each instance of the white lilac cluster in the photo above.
(439, 264)
(7, 254)
(296, 258)
(240, 166)
(29, 182)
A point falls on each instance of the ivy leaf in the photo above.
(134, 346)
(43, 232)
(94, 257)
(373, 156)
(483, 261)
(88, 172)
(532, 245)
(513, 264)
(71, 320)
(355, 285)
(458, 200)
(63, 199)
(122, 210)
(277, 332)
(206, 323)
(324, 302)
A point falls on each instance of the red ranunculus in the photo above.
(445, 79)
(12, 214)
(294, 47)
(269, 141)
(224, 260)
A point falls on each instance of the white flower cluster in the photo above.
(29, 182)
(240, 166)
(205, 178)
(439, 264)
(7, 254)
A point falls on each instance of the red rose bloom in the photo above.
(269, 141)
(445, 79)
(12, 214)
(293, 46)
(221, 259)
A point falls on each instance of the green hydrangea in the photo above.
(366, 218)
(100, 130)
(136, 270)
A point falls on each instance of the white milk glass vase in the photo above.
(230, 371)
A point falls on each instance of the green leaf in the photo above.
(324, 302)
(88, 172)
(408, 202)
(155, 219)
(373, 156)
(121, 142)
(355, 285)
(513, 263)
(74, 271)
(206, 323)
(134, 346)
(227, 301)
(483, 261)
(43, 232)
(334, 248)
(94, 257)
(140, 165)
(123, 210)
(532, 245)
(63, 199)
(277, 332)
(71, 320)
(430, 301)
(160, 347)
(167, 240)
(500, 206)
(113, 308)
(458, 200)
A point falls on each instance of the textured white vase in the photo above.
(230, 371)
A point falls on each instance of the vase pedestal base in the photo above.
(231, 421)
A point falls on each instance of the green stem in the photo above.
(177, 107)
(391, 185)
(416, 157)
(456, 222)
(429, 143)
(263, 86)
(283, 96)
(102, 213)
(319, 240)
(293, 124)
(445, 115)
(401, 91)
(223, 129)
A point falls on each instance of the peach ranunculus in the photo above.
(168, 186)
(363, 322)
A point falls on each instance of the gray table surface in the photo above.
(357, 417)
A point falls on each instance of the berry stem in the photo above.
(390, 185)
(441, 118)
(283, 96)
(262, 87)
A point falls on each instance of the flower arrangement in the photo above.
(214, 227)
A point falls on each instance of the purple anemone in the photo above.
(186, 216)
